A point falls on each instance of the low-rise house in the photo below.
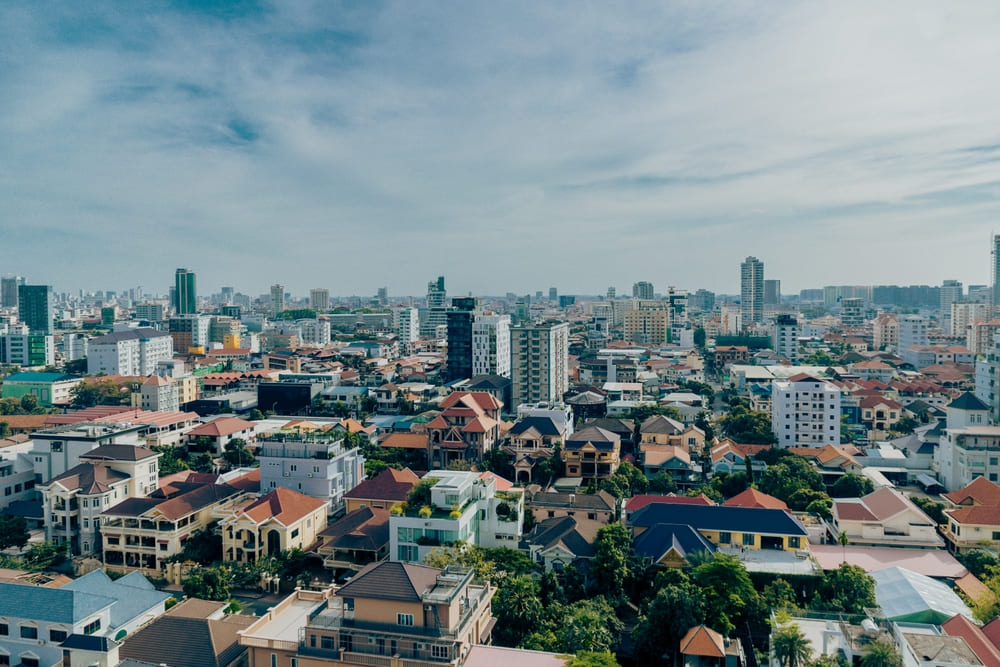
(979, 491)
(278, 521)
(534, 439)
(49, 388)
(561, 541)
(883, 518)
(72, 502)
(141, 533)
(754, 498)
(592, 453)
(702, 646)
(356, 539)
(746, 527)
(221, 430)
(660, 430)
(975, 527)
(382, 491)
(467, 428)
(193, 633)
(671, 545)
(879, 415)
(601, 506)
(425, 616)
(464, 506)
(76, 624)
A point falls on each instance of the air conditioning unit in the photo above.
(286, 474)
(309, 475)
(427, 607)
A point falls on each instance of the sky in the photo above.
(508, 146)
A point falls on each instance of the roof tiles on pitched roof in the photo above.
(390, 485)
(755, 498)
(222, 426)
(979, 491)
(89, 478)
(960, 626)
(285, 506)
(703, 641)
(390, 580)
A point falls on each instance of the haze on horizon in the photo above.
(508, 147)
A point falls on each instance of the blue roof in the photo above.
(133, 594)
(55, 605)
(40, 377)
(659, 539)
(718, 517)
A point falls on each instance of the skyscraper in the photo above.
(436, 312)
(772, 292)
(752, 290)
(34, 307)
(8, 291)
(642, 290)
(995, 256)
(460, 317)
(319, 299)
(185, 294)
(951, 292)
(277, 299)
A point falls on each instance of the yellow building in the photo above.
(283, 519)
(739, 527)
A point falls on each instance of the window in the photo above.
(749, 539)
(4, 630)
(346, 643)
(793, 542)
(404, 619)
(92, 627)
(725, 538)
(85, 502)
(274, 660)
(295, 533)
(29, 632)
(57, 635)
(29, 662)
(441, 651)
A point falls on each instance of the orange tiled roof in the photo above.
(703, 641)
(283, 505)
(755, 498)
(980, 491)
(221, 427)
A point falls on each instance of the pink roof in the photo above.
(929, 562)
(960, 626)
(221, 427)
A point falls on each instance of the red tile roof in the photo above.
(636, 503)
(390, 485)
(980, 491)
(960, 626)
(755, 498)
(222, 426)
(283, 505)
(981, 515)
(703, 641)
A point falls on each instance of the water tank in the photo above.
(869, 627)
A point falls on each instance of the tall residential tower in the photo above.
(185, 296)
(752, 291)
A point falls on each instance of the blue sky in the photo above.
(507, 146)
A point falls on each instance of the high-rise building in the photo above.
(34, 308)
(460, 317)
(491, 345)
(995, 273)
(786, 337)
(185, 294)
(772, 293)
(612, 293)
(539, 355)
(553, 294)
(951, 292)
(805, 412)
(703, 301)
(435, 315)
(382, 295)
(277, 299)
(8, 291)
(752, 290)
(852, 312)
(406, 321)
(642, 290)
(319, 299)
(912, 331)
(189, 331)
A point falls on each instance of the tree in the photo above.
(662, 482)
(730, 485)
(593, 659)
(748, 426)
(703, 420)
(587, 625)
(905, 425)
(420, 494)
(848, 589)
(790, 646)
(13, 532)
(727, 589)
(255, 415)
(211, 583)
(87, 394)
(979, 562)
(779, 594)
(933, 510)
(4, 429)
(517, 610)
(881, 653)
(699, 337)
(793, 473)
(610, 564)
(851, 486)
(671, 613)
(203, 547)
(237, 453)
(42, 556)
(29, 402)
(170, 460)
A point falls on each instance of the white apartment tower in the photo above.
(786, 337)
(131, 352)
(277, 299)
(539, 361)
(319, 299)
(913, 330)
(805, 412)
(491, 345)
(951, 292)
(752, 290)
(406, 321)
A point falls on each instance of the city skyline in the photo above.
(510, 148)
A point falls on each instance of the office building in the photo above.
(491, 345)
(772, 293)
(553, 294)
(319, 299)
(34, 308)
(8, 291)
(460, 317)
(277, 299)
(150, 312)
(805, 412)
(752, 291)
(434, 318)
(539, 362)
(185, 293)
(130, 352)
(642, 290)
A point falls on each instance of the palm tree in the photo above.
(881, 653)
(842, 538)
(790, 646)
